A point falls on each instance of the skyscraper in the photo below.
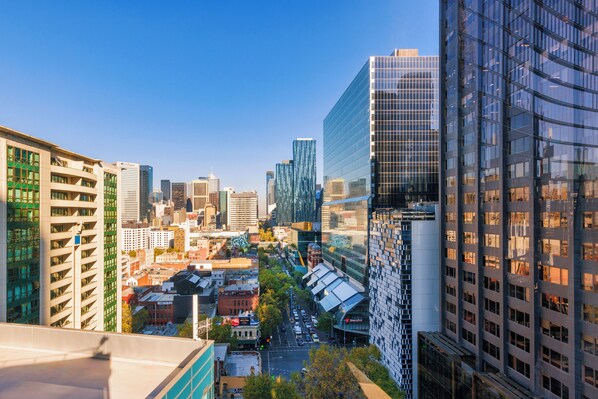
(385, 157)
(130, 198)
(225, 205)
(199, 194)
(146, 186)
(213, 184)
(519, 181)
(243, 211)
(165, 188)
(59, 236)
(178, 195)
(270, 193)
(304, 180)
(284, 193)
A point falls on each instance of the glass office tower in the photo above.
(165, 188)
(304, 180)
(178, 195)
(519, 191)
(284, 193)
(146, 186)
(380, 150)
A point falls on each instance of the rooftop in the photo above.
(49, 362)
(240, 363)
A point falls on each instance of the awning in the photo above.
(329, 302)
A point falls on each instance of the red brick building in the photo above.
(159, 306)
(234, 299)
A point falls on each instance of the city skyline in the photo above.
(94, 93)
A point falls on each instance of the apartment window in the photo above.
(469, 317)
(518, 170)
(59, 211)
(555, 247)
(491, 349)
(519, 317)
(519, 341)
(590, 313)
(589, 282)
(555, 303)
(554, 191)
(59, 195)
(450, 199)
(60, 179)
(518, 219)
(555, 331)
(553, 219)
(555, 275)
(492, 262)
(451, 307)
(450, 272)
(451, 217)
(589, 344)
(87, 183)
(519, 366)
(469, 257)
(451, 326)
(469, 198)
(491, 240)
(469, 297)
(469, 237)
(555, 359)
(468, 277)
(492, 328)
(492, 196)
(519, 267)
(451, 253)
(590, 220)
(492, 306)
(451, 290)
(468, 217)
(589, 251)
(518, 194)
(468, 336)
(492, 284)
(451, 235)
(590, 376)
(555, 386)
(491, 218)
(518, 292)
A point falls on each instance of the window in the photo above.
(521, 293)
(590, 313)
(60, 179)
(555, 331)
(469, 317)
(519, 341)
(589, 344)
(450, 199)
(451, 253)
(555, 247)
(521, 169)
(59, 211)
(451, 217)
(492, 328)
(553, 219)
(555, 303)
(519, 267)
(589, 251)
(519, 366)
(468, 277)
(451, 307)
(555, 359)
(450, 272)
(589, 282)
(451, 290)
(491, 284)
(517, 194)
(469, 237)
(451, 326)
(491, 196)
(469, 198)
(492, 306)
(469, 257)
(468, 217)
(469, 297)
(491, 262)
(491, 349)
(590, 376)
(468, 336)
(554, 191)
(555, 386)
(519, 317)
(59, 195)
(451, 235)
(491, 218)
(491, 240)
(518, 219)
(555, 275)
(590, 220)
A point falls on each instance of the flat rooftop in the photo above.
(239, 364)
(49, 362)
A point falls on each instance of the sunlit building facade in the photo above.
(284, 193)
(380, 150)
(519, 179)
(304, 180)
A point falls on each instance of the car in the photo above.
(303, 371)
(300, 342)
(307, 338)
(312, 330)
(296, 324)
(315, 323)
(315, 338)
(307, 325)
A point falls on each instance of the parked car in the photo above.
(300, 342)
(312, 330)
(307, 325)
(315, 338)
(307, 338)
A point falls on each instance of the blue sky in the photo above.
(190, 87)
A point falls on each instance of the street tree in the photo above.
(283, 389)
(367, 359)
(325, 321)
(270, 316)
(258, 386)
(127, 318)
(140, 319)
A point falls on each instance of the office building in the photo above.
(178, 195)
(131, 185)
(242, 213)
(284, 193)
(386, 157)
(59, 236)
(225, 205)
(214, 199)
(404, 280)
(270, 192)
(146, 186)
(161, 238)
(519, 118)
(304, 180)
(199, 194)
(41, 362)
(165, 188)
(209, 217)
(213, 184)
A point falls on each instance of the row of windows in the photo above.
(19, 155)
(555, 358)
(589, 251)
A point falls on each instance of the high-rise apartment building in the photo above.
(519, 179)
(270, 191)
(385, 157)
(242, 212)
(59, 236)
(304, 180)
(178, 195)
(130, 198)
(135, 236)
(165, 188)
(199, 194)
(404, 281)
(146, 186)
(284, 193)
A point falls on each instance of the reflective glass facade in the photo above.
(146, 186)
(380, 150)
(284, 193)
(519, 180)
(165, 188)
(22, 236)
(304, 180)
(178, 195)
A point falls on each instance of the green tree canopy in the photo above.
(133, 254)
(127, 319)
(270, 316)
(325, 322)
(258, 386)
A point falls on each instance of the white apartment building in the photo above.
(243, 211)
(59, 236)
(160, 238)
(135, 236)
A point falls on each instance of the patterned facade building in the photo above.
(59, 229)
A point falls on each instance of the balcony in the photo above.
(72, 172)
(60, 311)
(61, 266)
(61, 297)
(67, 250)
(73, 188)
(61, 283)
(89, 299)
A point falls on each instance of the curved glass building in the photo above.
(519, 194)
